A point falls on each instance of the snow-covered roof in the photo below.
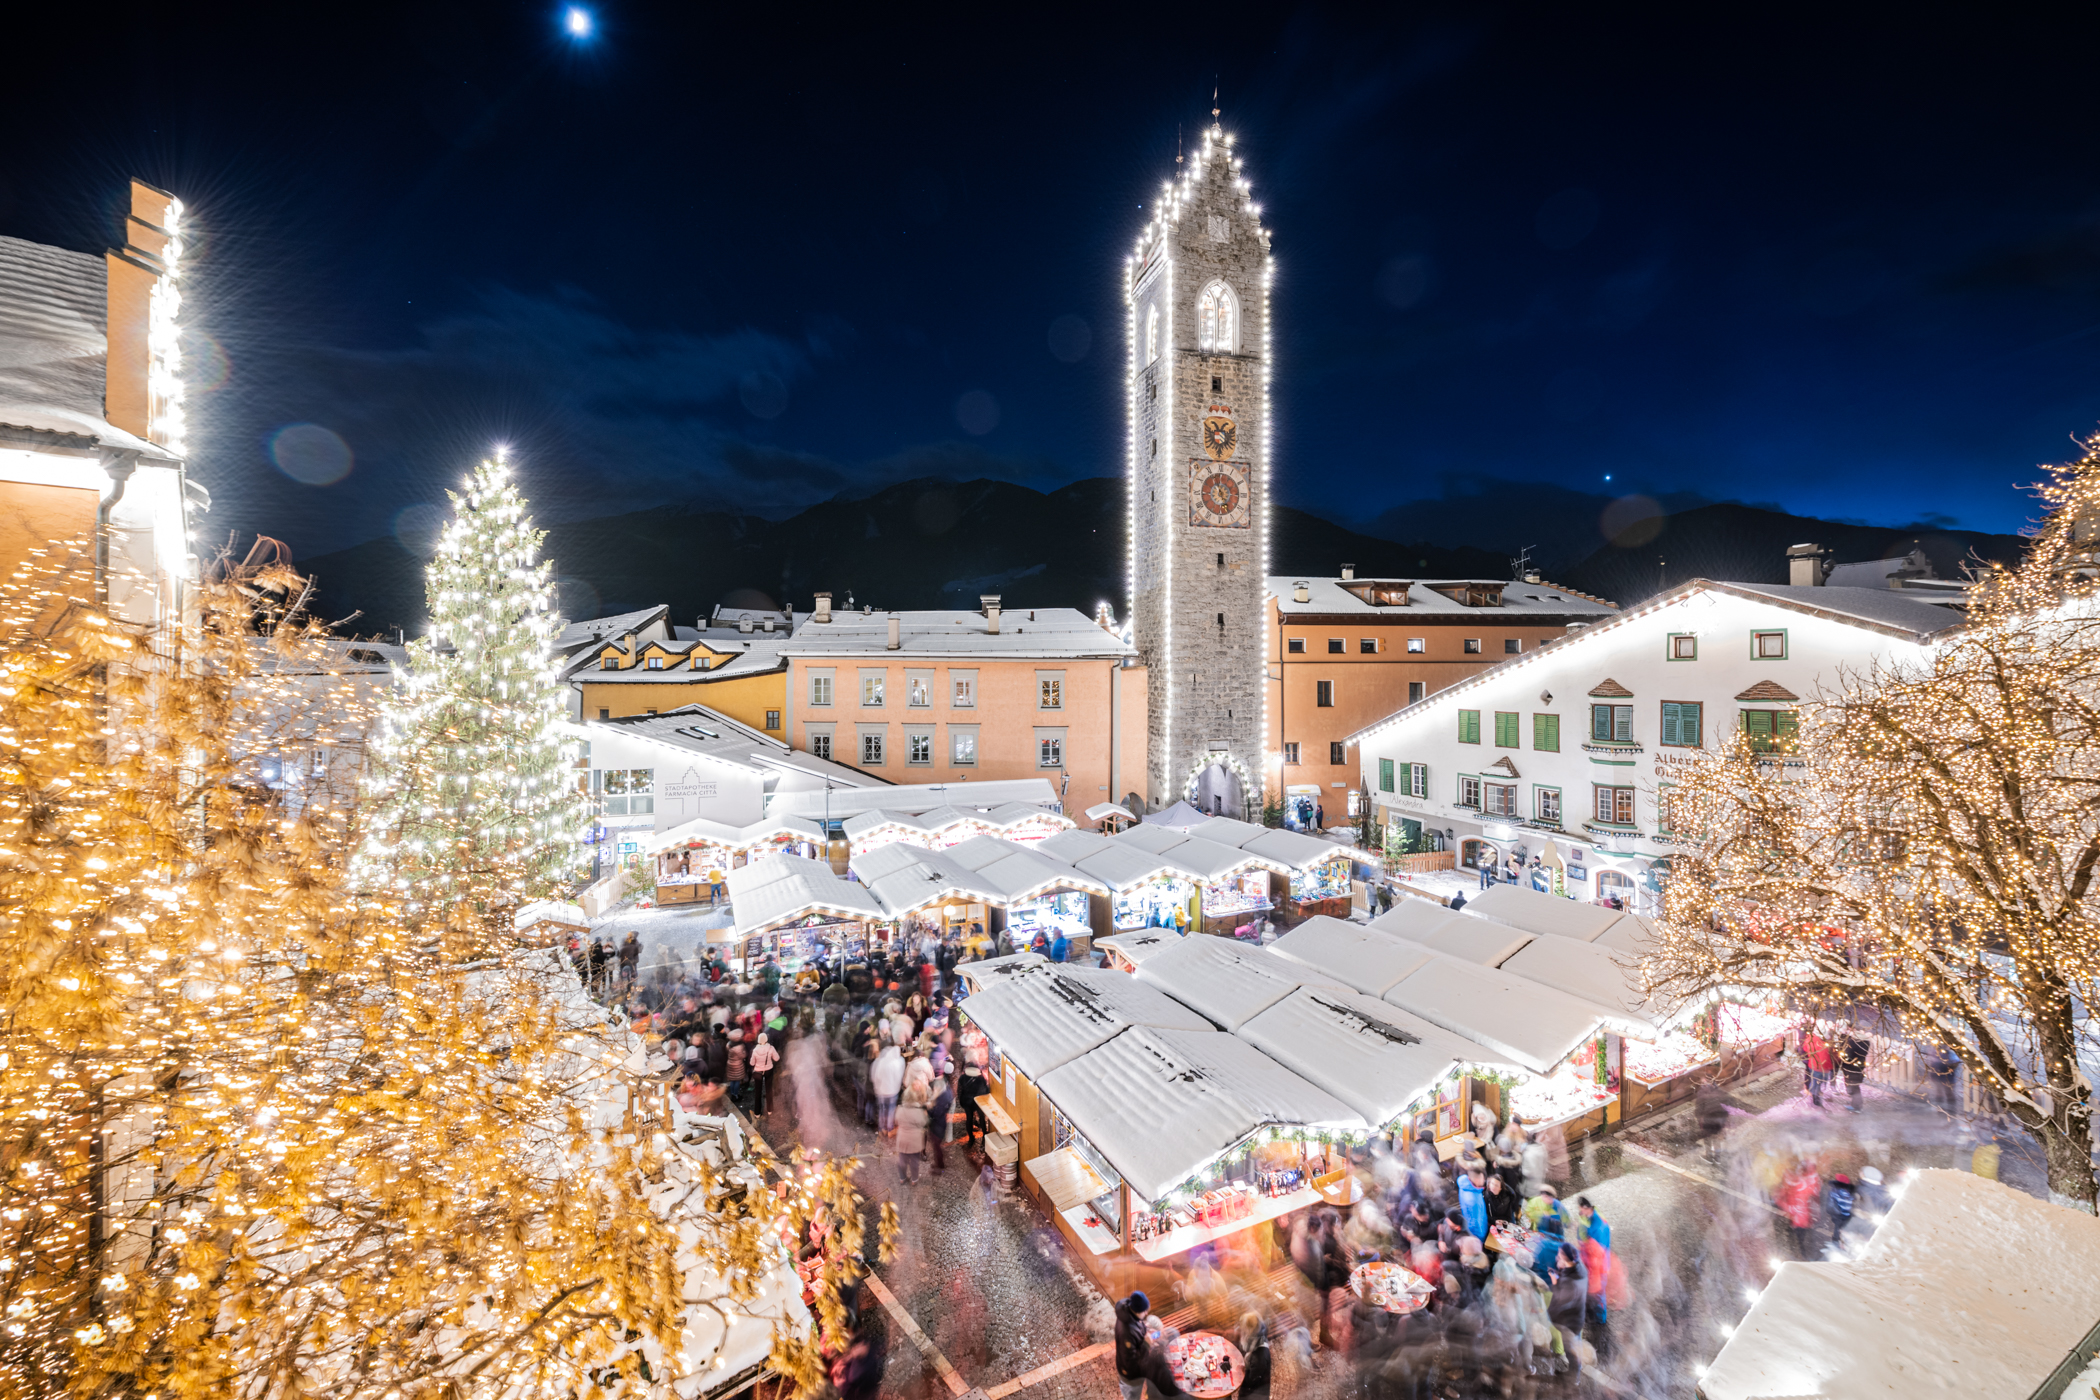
(931, 878)
(1519, 1021)
(1046, 1014)
(1121, 867)
(1181, 816)
(1211, 861)
(1520, 602)
(1294, 849)
(1413, 917)
(1145, 943)
(1633, 934)
(1373, 1056)
(1158, 1104)
(769, 892)
(1480, 941)
(991, 972)
(590, 630)
(551, 911)
(1072, 845)
(1356, 956)
(1597, 974)
(1228, 982)
(1535, 912)
(1227, 831)
(701, 831)
(1061, 633)
(919, 797)
(1147, 837)
(54, 318)
(1101, 811)
(1968, 1290)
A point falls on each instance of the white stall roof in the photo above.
(1411, 917)
(769, 892)
(1371, 1055)
(1480, 941)
(885, 859)
(1074, 844)
(1295, 849)
(1020, 814)
(1969, 1289)
(1149, 837)
(1123, 867)
(1597, 974)
(1158, 1104)
(1351, 954)
(1631, 934)
(980, 851)
(1229, 831)
(1542, 913)
(930, 879)
(701, 831)
(1025, 874)
(1180, 816)
(990, 972)
(1145, 943)
(1102, 810)
(1226, 981)
(1210, 860)
(1520, 1021)
(1045, 1014)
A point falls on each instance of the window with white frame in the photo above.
(1417, 645)
(654, 663)
(1615, 805)
(871, 688)
(625, 792)
(1545, 805)
(962, 690)
(1418, 780)
(918, 689)
(871, 749)
(1049, 748)
(918, 747)
(962, 745)
(1499, 799)
(1218, 319)
(820, 743)
(820, 688)
(1049, 690)
(1468, 792)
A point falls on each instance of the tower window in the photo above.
(1217, 384)
(1155, 447)
(1218, 319)
(1151, 334)
(1221, 622)
(1221, 559)
(1151, 391)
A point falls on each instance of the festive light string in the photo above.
(1928, 847)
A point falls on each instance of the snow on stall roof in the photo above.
(770, 891)
(714, 833)
(1027, 875)
(1413, 918)
(884, 860)
(1294, 849)
(1542, 913)
(1968, 1289)
(1147, 837)
(1631, 934)
(1228, 831)
(1072, 845)
(1358, 957)
(1601, 975)
(1144, 943)
(1103, 810)
(931, 878)
(1121, 867)
(1209, 860)
(1045, 1014)
(1227, 981)
(1480, 941)
(1373, 1056)
(1520, 1021)
(1159, 1103)
(990, 972)
(916, 797)
(981, 851)
(1016, 813)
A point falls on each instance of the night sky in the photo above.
(748, 257)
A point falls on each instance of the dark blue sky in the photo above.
(1850, 264)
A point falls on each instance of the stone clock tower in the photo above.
(1197, 290)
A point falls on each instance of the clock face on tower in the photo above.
(1218, 495)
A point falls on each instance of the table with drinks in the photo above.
(1206, 1365)
(1390, 1287)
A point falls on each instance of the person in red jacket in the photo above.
(1815, 1054)
(1800, 1192)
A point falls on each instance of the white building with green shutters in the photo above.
(1560, 759)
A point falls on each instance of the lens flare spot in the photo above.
(310, 453)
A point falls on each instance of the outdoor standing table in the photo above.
(1390, 1287)
(1206, 1365)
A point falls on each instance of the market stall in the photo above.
(1185, 1126)
(1542, 914)
(1040, 894)
(790, 894)
(1749, 1038)
(1235, 888)
(1125, 951)
(1370, 1054)
(1414, 917)
(1024, 825)
(1112, 817)
(1518, 1021)
(1146, 890)
(1318, 871)
(1580, 1097)
(1074, 845)
(693, 857)
(1663, 1069)
(1355, 956)
(993, 972)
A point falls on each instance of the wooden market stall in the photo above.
(778, 902)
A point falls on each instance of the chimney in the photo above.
(627, 643)
(896, 632)
(1348, 571)
(1302, 593)
(1575, 627)
(743, 624)
(1532, 577)
(989, 602)
(823, 613)
(1807, 565)
(767, 625)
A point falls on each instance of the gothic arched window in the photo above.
(1152, 333)
(1218, 319)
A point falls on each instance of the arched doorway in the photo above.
(1218, 791)
(1475, 854)
(1615, 888)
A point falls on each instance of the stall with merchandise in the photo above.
(786, 906)
(1163, 901)
(692, 858)
(1663, 1070)
(1580, 1097)
(1322, 888)
(1066, 913)
(1749, 1038)
(1236, 903)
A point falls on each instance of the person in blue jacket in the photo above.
(1472, 1200)
(1060, 947)
(1842, 1200)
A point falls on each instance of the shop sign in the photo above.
(629, 847)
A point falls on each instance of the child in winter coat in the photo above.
(763, 1058)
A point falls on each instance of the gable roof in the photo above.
(1768, 690)
(1611, 690)
(1915, 618)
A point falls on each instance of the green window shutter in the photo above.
(1600, 723)
(1786, 727)
(1622, 723)
(1385, 775)
(1680, 723)
(1469, 726)
(1758, 725)
(1545, 733)
(1506, 730)
(1669, 726)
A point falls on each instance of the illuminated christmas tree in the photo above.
(476, 805)
(1931, 845)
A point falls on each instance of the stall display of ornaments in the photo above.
(1550, 1098)
(1746, 1025)
(1653, 1061)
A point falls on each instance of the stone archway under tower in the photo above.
(1221, 785)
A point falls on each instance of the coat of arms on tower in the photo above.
(1218, 495)
(1220, 436)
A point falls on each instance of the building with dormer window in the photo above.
(640, 663)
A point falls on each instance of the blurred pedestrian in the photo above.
(1852, 1063)
(763, 1058)
(1841, 1201)
(1816, 1063)
(912, 1120)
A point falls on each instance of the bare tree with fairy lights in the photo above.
(1928, 845)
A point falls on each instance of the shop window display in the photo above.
(1328, 880)
(1244, 893)
(1161, 903)
(1051, 915)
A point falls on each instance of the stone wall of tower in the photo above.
(1198, 587)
